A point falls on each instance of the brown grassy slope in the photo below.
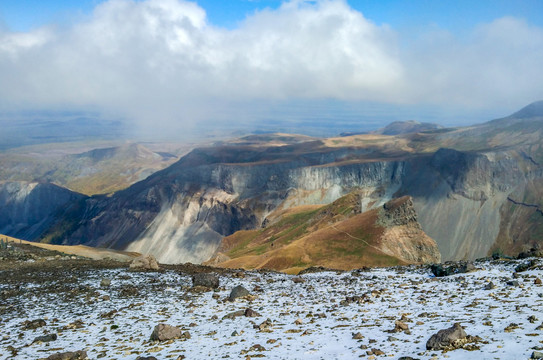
(334, 235)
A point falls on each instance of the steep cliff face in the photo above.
(459, 197)
(28, 208)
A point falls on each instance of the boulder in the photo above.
(45, 338)
(206, 280)
(238, 292)
(446, 337)
(144, 262)
(163, 332)
(460, 267)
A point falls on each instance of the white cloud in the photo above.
(161, 59)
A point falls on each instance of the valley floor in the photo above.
(313, 316)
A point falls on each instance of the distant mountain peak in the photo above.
(535, 109)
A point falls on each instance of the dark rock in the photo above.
(490, 286)
(537, 281)
(526, 266)
(45, 338)
(163, 332)
(238, 292)
(34, 324)
(407, 358)
(460, 267)
(129, 290)
(77, 355)
(146, 358)
(206, 280)
(446, 337)
(513, 283)
(234, 315)
(251, 313)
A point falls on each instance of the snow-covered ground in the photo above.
(310, 320)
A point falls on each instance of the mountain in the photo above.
(473, 190)
(400, 127)
(98, 169)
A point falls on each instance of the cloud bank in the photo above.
(162, 60)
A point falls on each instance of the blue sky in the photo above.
(451, 15)
(243, 61)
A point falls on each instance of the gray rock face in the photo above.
(446, 337)
(205, 280)
(28, 209)
(163, 332)
(238, 292)
(144, 262)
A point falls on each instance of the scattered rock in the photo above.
(511, 327)
(455, 268)
(129, 290)
(77, 355)
(490, 286)
(105, 282)
(357, 336)
(34, 324)
(446, 337)
(526, 266)
(163, 332)
(251, 313)
(144, 262)
(45, 338)
(238, 292)
(206, 280)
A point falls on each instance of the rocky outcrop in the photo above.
(403, 237)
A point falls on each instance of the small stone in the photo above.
(251, 313)
(45, 338)
(77, 355)
(146, 358)
(537, 355)
(357, 336)
(298, 280)
(490, 286)
(298, 321)
(537, 281)
(34, 324)
(105, 282)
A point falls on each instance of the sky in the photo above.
(168, 65)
